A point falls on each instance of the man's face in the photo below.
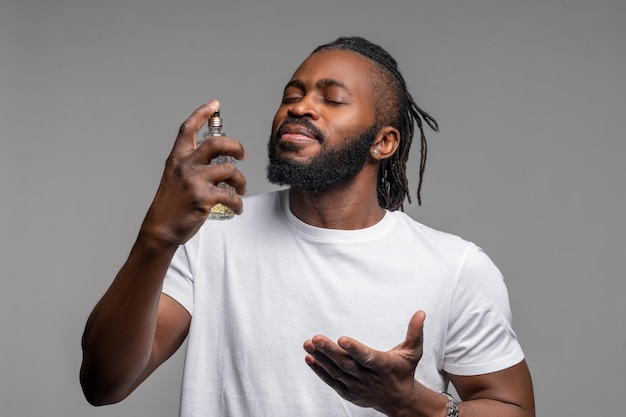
(325, 125)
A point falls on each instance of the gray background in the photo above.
(530, 96)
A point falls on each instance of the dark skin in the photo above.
(337, 102)
(333, 90)
(134, 327)
(360, 374)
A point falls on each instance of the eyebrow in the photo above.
(321, 84)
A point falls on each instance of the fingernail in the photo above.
(320, 345)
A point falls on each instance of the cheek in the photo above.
(341, 130)
(278, 119)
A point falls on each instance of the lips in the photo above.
(296, 133)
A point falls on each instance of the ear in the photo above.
(386, 143)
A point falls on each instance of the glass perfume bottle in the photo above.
(219, 211)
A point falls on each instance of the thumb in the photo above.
(415, 332)
(188, 131)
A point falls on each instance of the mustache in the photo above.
(300, 122)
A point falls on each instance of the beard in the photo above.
(329, 168)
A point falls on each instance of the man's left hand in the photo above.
(366, 377)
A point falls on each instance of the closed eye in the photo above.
(333, 102)
(294, 91)
(291, 99)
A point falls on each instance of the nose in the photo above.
(305, 107)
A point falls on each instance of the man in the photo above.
(331, 255)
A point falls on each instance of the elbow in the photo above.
(97, 391)
(96, 399)
(100, 385)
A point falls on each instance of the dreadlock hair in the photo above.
(395, 107)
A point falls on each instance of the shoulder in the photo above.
(428, 238)
(470, 263)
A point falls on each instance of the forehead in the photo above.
(354, 71)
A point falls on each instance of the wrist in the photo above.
(423, 403)
(153, 245)
(155, 238)
(453, 405)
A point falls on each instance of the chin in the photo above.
(293, 152)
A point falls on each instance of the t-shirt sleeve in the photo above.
(178, 282)
(480, 336)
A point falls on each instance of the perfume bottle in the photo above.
(219, 211)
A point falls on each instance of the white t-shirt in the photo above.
(259, 285)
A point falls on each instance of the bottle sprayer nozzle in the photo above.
(215, 120)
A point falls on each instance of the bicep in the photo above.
(510, 386)
(172, 327)
(171, 330)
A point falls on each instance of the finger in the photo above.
(219, 145)
(228, 174)
(334, 360)
(320, 371)
(360, 353)
(415, 332)
(186, 139)
(227, 197)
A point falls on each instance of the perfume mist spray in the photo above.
(219, 211)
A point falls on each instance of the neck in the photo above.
(346, 207)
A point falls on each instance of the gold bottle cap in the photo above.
(215, 120)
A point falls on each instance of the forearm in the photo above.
(492, 408)
(119, 334)
(428, 403)
(422, 402)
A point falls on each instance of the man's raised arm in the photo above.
(134, 327)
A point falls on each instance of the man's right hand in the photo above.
(134, 327)
(188, 188)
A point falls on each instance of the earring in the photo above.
(375, 151)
